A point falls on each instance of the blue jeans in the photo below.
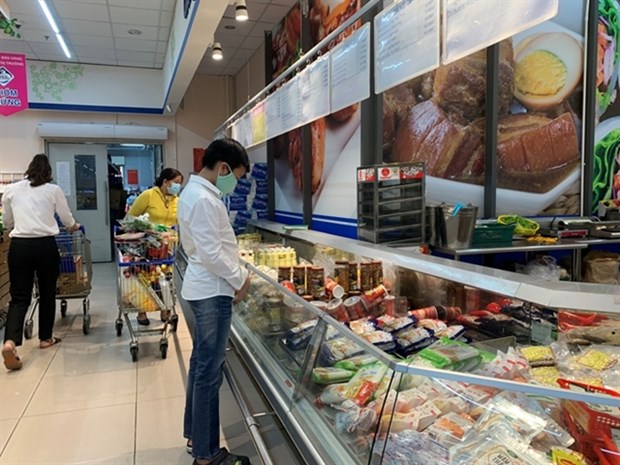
(202, 404)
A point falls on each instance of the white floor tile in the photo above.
(159, 432)
(161, 379)
(94, 436)
(6, 429)
(17, 390)
(85, 391)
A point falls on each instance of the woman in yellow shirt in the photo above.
(160, 202)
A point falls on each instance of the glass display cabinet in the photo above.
(423, 360)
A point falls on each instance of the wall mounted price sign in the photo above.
(406, 42)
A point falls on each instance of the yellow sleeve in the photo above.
(141, 204)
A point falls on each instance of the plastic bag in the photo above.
(544, 267)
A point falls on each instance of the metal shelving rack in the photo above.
(390, 203)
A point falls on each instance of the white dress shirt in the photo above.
(29, 211)
(209, 242)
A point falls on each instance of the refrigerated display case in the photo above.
(486, 393)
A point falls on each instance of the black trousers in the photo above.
(27, 257)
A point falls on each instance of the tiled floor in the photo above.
(85, 402)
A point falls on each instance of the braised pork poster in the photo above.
(439, 119)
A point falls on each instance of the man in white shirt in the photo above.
(30, 207)
(213, 281)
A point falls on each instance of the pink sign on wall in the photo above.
(13, 83)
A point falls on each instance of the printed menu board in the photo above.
(492, 21)
(245, 136)
(273, 115)
(314, 85)
(259, 123)
(290, 105)
(350, 70)
(406, 42)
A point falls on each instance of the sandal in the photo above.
(143, 319)
(164, 315)
(47, 343)
(188, 446)
(11, 360)
(226, 458)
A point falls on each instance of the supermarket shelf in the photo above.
(573, 296)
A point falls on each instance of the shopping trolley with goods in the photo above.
(74, 280)
(145, 266)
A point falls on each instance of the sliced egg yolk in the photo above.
(540, 73)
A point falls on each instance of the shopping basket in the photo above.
(591, 425)
(145, 281)
(74, 279)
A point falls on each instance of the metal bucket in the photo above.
(457, 230)
(434, 222)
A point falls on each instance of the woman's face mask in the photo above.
(226, 183)
(174, 188)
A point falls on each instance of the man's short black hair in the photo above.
(228, 151)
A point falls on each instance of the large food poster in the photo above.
(606, 154)
(439, 119)
(335, 141)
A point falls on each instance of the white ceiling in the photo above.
(240, 43)
(97, 32)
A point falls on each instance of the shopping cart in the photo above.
(74, 280)
(145, 284)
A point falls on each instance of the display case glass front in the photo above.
(380, 356)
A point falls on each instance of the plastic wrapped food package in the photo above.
(500, 410)
(413, 339)
(355, 363)
(353, 418)
(393, 324)
(538, 355)
(365, 382)
(449, 354)
(499, 445)
(338, 349)
(331, 375)
(333, 394)
(450, 429)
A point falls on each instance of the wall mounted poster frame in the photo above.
(406, 42)
(493, 21)
(314, 83)
(350, 70)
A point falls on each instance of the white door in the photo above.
(82, 172)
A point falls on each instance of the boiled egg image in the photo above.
(548, 67)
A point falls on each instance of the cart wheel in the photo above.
(134, 353)
(63, 308)
(28, 329)
(119, 327)
(86, 325)
(163, 348)
(86, 306)
(174, 322)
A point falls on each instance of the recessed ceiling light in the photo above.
(134, 32)
(230, 26)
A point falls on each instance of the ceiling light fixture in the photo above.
(241, 11)
(134, 32)
(54, 26)
(217, 52)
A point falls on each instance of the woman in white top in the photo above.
(29, 209)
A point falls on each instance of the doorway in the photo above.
(98, 179)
